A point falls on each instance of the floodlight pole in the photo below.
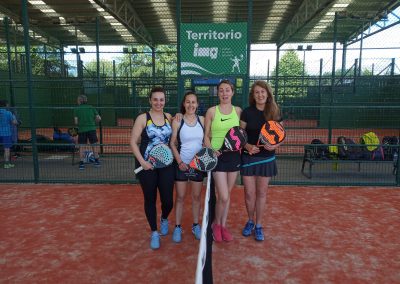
(361, 48)
(277, 72)
(32, 117)
(7, 30)
(98, 80)
(332, 79)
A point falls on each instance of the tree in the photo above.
(290, 75)
(44, 61)
(139, 63)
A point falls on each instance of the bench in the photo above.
(311, 158)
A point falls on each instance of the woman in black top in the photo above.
(258, 163)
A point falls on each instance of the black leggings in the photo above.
(150, 180)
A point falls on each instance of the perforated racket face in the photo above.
(235, 139)
(272, 133)
(160, 156)
(205, 160)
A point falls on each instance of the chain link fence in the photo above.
(359, 93)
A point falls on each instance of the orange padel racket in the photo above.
(272, 133)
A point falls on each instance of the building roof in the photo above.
(154, 22)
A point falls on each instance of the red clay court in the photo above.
(98, 234)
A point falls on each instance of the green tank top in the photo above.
(220, 126)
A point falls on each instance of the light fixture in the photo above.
(309, 47)
(74, 50)
(299, 47)
(82, 50)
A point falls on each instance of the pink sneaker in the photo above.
(226, 235)
(217, 232)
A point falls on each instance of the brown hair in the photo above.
(271, 109)
(226, 81)
(183, 110)
(82, 99)
(155, 90)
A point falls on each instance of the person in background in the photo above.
(86, 117)
(262, 108)
(7, 120)
(152, 128)
(219, 119)
(186, 141)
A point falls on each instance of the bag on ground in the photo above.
(348, 149)
(321, 150)
(372, 146)
(390, 146)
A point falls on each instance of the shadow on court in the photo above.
(98, 234)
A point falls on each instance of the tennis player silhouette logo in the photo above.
(236, 63)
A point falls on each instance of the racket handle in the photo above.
(138, 169)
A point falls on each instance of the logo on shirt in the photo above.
(225, 119)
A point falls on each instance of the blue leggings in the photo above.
(150, 180)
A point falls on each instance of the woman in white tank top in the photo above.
(186, 141)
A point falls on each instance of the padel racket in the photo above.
(271, 133)
(160, 156)
(235, 139)
(205, 160)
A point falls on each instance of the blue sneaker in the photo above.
(248, 228)
(97, 163)
(177, 235)
(81, 166)
(259, 234)
(164, 227)
(155, 240)
(196, 230)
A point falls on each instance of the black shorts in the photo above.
(190, 174)
(228, 162)
(83, 137)
(258, 166)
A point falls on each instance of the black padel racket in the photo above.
(160, 156)
(205, 160)
(235, 139)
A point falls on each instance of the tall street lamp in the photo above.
(301, 48)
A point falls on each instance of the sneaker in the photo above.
(196, 230)
(164, 227)
(9, 166)
(259, 234)
(226, 235)
(177, 235)
(97, 163)
(217, 232)
(81, 166)
(155, 240)
(248, 228)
